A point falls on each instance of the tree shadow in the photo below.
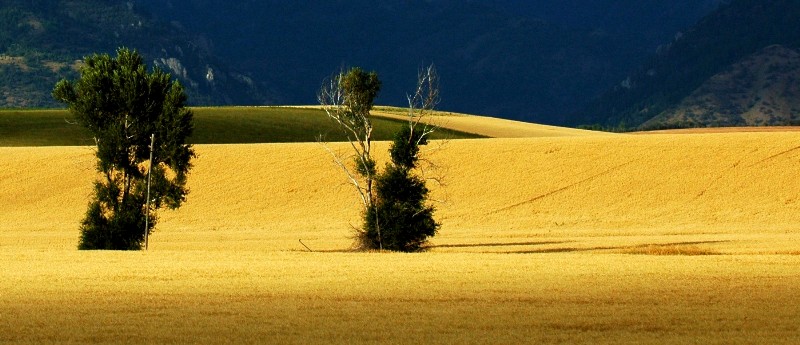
(641, 249)
(623, 249)
(501, 244)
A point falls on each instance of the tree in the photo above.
(398, 203)
(124, 107)
(348, 98)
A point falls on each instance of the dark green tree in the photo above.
(122, 105)
(401, 219)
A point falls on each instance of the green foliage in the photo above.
(122, 229)
(122, 104)
(212, 125)
(360, 89)
(349, 101)
(365, 166)
(400, 220)
(405, 147)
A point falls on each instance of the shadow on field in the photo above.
(506, 244)
(687, 248)
(670, 248)
(560, 250)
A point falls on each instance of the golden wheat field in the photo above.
(645, 239)
(490, 127)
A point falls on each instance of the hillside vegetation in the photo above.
(729, 45)
(593, 239)
(761, 90)
(213, 125)
(502, 58)
(42, 42)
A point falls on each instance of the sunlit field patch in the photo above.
(670, 249)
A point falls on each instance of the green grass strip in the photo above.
(213, 125)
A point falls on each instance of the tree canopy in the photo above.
(123, 105)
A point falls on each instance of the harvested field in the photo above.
(488, 126)
(590, 239)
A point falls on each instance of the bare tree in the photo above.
(423, 101)
(347, 99)
(422, 104)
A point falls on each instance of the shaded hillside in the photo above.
(761, 90)
(729, 35)
(644, 24)
(535, 61)
(523, 60)
(43, 41)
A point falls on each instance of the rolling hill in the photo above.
(237, 125)
(734, 190)
(651, 239)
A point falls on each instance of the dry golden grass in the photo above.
(489, 126)
(17, 61)
(535, 247)
(283, 297)
(668, 249)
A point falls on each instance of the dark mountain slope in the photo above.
(527, 60)
(42, 41)
(729, 35)
(644, 24)
(761, 90)
(495, 57)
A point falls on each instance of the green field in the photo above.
(214, 125)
